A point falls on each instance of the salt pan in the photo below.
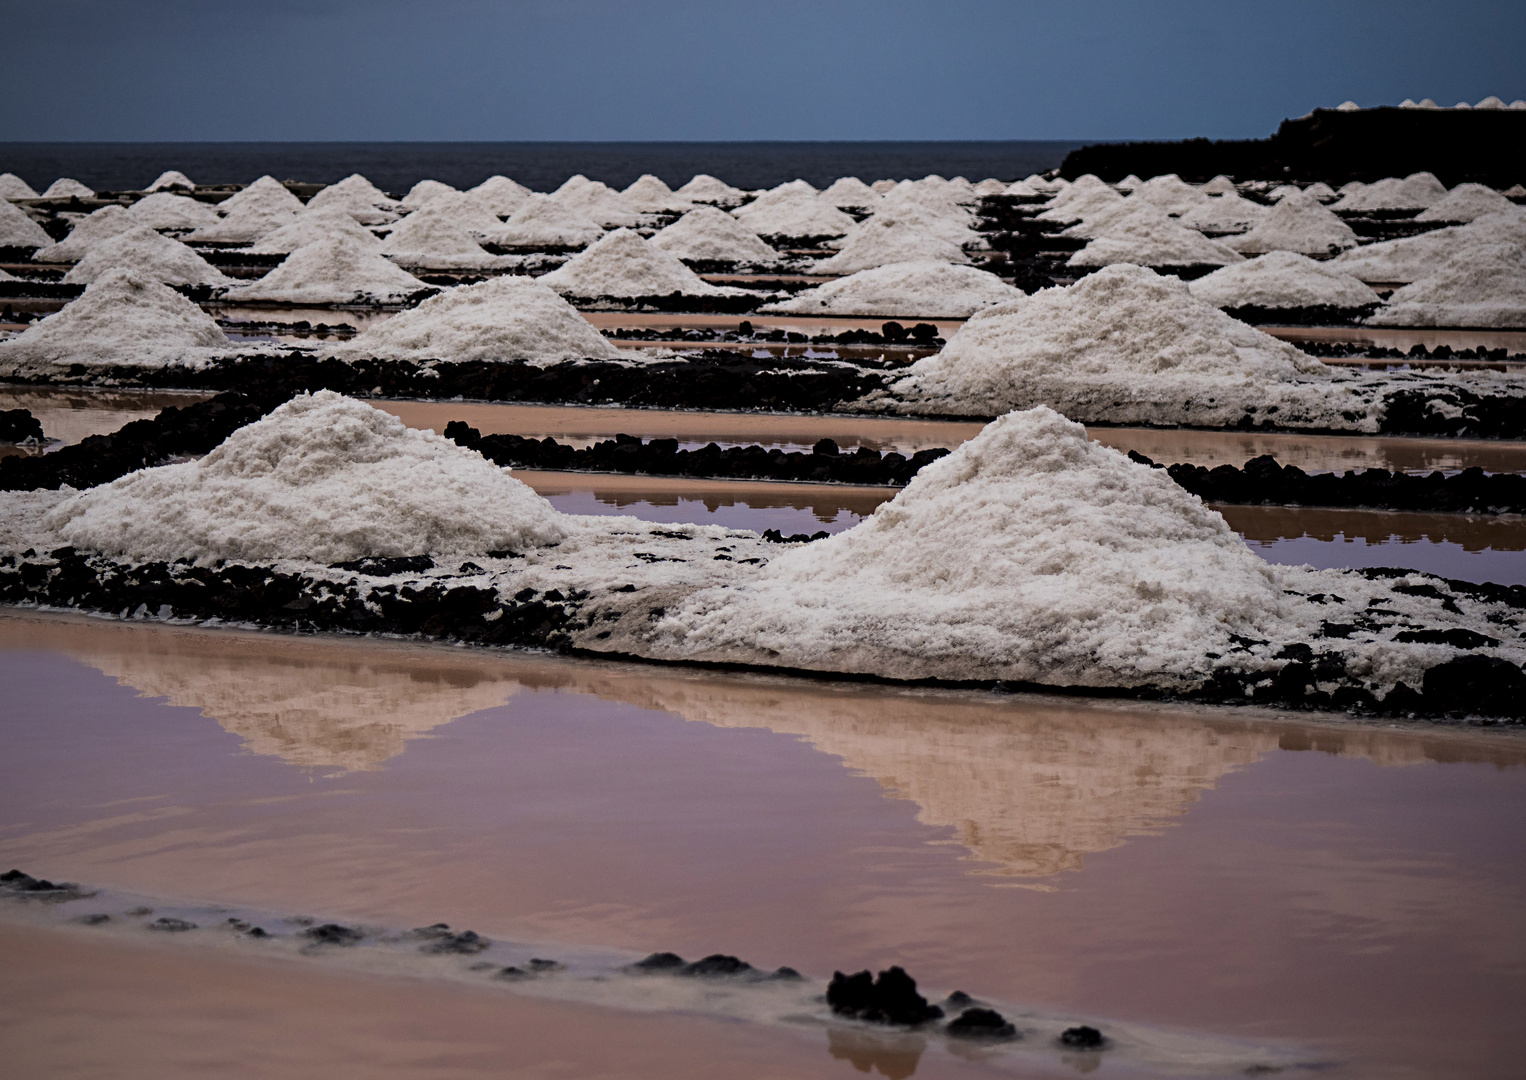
(146, 254)
(334, 270)
(624, 265)
(1282, 279)
(707, 234)
(928, 290)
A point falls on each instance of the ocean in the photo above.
(542, 166)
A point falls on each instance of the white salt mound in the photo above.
(1414, 257)
(1219, 185)
(1171, 193)
(935, 198)
(1320, 191)
(172, 180)
(623, 265)
(121, 318)
(705, 188)
(311, 226)
(501, 195)
(796, 216)
(1078, 202)
(1465, 202)
(1022, 188)
(355, 189)
(1282, 279)
(1145, 242)
(506, 318)
(334, 270)
(13, 187)
(103, 224)
(461, 209)
(266, 193)
(990, 186)
(250, 221)
(708, 234)
(147, 254)
(163, 210)
(65, 188)
(1414, 192)
(1482, 285)
(1128, 184)
(1227, 213)
(879, 187)
(915, 216)
(596, 201)
(323, 478)
(425, 190)
(649, 194)
(881, 241)
(7, 276)
(1297, 223)
(849, 191)
(543, 222)
(928, 290)
(426, 239)
(19, 230)
(1030, 553)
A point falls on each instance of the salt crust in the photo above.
(266, 193)
(505, 318)
(707, 234)
(314, 225)
(334, 270)
(501, 195)
(13, 187)
(596, 201)
(1415, 192)
(172, 180)
(147, 254)
(121, 318)
(849, 191)
(1482, 285)
(705, 188)
(1227, 213)
(796, 215)
(929, 290)
(1146, 242)
(1414, 257)
(1466, 202)
(162, 210)
(1297, 223)
(543, 222)
(883, 240)
(66, 188)
(649, 194)
(1282, 279)
(103, 224)
(323, 478)
(19, 230)
(425, 190)
(624, 265)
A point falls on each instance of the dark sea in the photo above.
(395, 167)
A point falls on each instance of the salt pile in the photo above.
(165, 211)
(1227, 213)
(881, 241)
(172, 180)
(425, 190)
(506, 318)
(596, 201)
(1080, 201)
(705, 188)
(360, 198)
(121, 319)
(266, 194)
(65, 188)
(13, 187)
(1483, 285)
(707, 234)
(1030, 554)
(1297, 223)
(311, 226)
(928, 290)
(1022, 189)
(1219, 185)
(650, 195)
(1146, 242)
(323, 478)
(252, 214)
(1124, 214)
(624, 265)
(1282, 279)
(879, 187)
(1465, 202)
(1171, 193)
(1414, 192)
(427, 239)
(911, 215)
(334, 270)
(1320, 191)
(935, 198)
(796, 215)
(1414, 257)
(849, 191)
(542, 222)
(990, 186)
(19, 230)
(7, 276)
(146, 254)
(103, 224)
(501, 195)
(1129, 184)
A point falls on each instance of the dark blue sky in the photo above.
(764, 69)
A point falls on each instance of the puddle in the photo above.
(70, 415)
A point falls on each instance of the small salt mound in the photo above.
(426, 239)
(7, 276)
(13, 187)
(1282, 279)
(1123, 345)
(1022, 188)
(1171, 193)
(1490, 102)
(1297, 223)
(359, 198)
(334, 270)
(1219, 185)
(501, 195)
(461, 209)
(1466, 202)
(1030, 553)
(19, 230)
(103, 224)
(1129, 184)
(1120, 214)
(990, 186)
(936, 199)
(506, 318)
(165, 211)
(65, 188)
(881, 241)
(1415, 257)
(880, 187)
(926, 290)
(1414, 192)
(247, 223)
(1078, 203)
(624, 265)
(543, 222)
(1483, 285)
(797, 216)
(650, 195)
(266, 194)
(146, 254)
(121, 319)
(1144, 242)
(707, 234)
(915, 216)
(172, 180)
(787, 190)
(311, 226)
(596, 201)
(1320, 191)
(323, 478)
(421, 193)
(705, 188)
(849, 191)
(1227, 213)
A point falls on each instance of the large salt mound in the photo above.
(796, 216)
(323, 478)
(596, 201)
(849, 191)
(103, 224)
(1029, 554)
(934, 198)
(1465, 202)
(1078, 202)
(928, 290)
(172, 180)
(1413, 257)
(1123, 345)
(147, 254)
(1297, 223)
(1171, 193)
(1282, 279)
(121, 319)
(506, 318)
(360, 198)
(19, 230)
(312, 226)
(1144, 242)
(1226, 213)
(1320, 191)
(543, 222)
(1414, 192)
(881, 241)
(1482, 285)
(707, 234)
(246, 223)
(334, 270)
(624, 265)
(13, 187)
(501, 195)
(650, 195)
(705, 188)
(911, 215)
(435, 240)
(66, 188)
(267, 193)
(421, 193)
(163, 210)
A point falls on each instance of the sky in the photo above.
(297, 70)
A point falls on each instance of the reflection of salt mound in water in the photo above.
(928, 290)
(623, 265)
(333, 270)
(1029, 554)
(1282, 279)
(507, 318)
(311, 226)
(103, 224)
(706, 234)
(323, 478)
(148, 254)
(1297, 223)
(165, 211)
(1483, 285)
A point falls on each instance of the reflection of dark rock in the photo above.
(894, 1057)
(26, 886)
(171, 925)
(658, 961)
(714, 966)
(1082, 1037)
(18, 425)
(981, 1024)
(891, 998)
(440, 939)
(333, 934)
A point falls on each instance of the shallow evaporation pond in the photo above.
(1349, 892)
(69, 414)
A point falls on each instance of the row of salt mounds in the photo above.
(1152, 241)
(1481, 286)
(649, 194)
(1226, 213)
(19, 230)
(258, 210)
(162, 210)
(506, 318)
(708, 234)
(323, 478)
(171, 180)
(1297, 223)
(101, 225)
(311, 226)
(596, 201)
(928, 290)
(1414, 192)
(1028, 554)
(360, 198)
(334, 270)
(1465, 203)
(794, 216)
(501, 195)
(146, 254)
(886, 239)
(705, 188)
(849, 192)
(13, 187)
(1282, 279)
(543, 222)
(1128, 346)
(623, 265)
(1414, 257)
(67, 188)
(121, 319)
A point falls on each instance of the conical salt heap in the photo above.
(501, 195)
(1282, 279)
(926, 290)
(705, 188)
(13, 187)
(334, 270)
(1465, 203)
(795, 215)
(1415, 257)
(849, 191)
(1153, 241)
(708, 234)
(360, 198)
(596, 201)
(172, 180)
(624, 265)
(103, 224)
(650, 195)
(425, 190)
(1297, 223)
(311, 226)
(884, 239)
(267, 194)
(19, 230)
(1483, 285)
(542, 222)
(163, 210)
(148, 255)
(66, 188)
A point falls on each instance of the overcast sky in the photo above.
(761, 69)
